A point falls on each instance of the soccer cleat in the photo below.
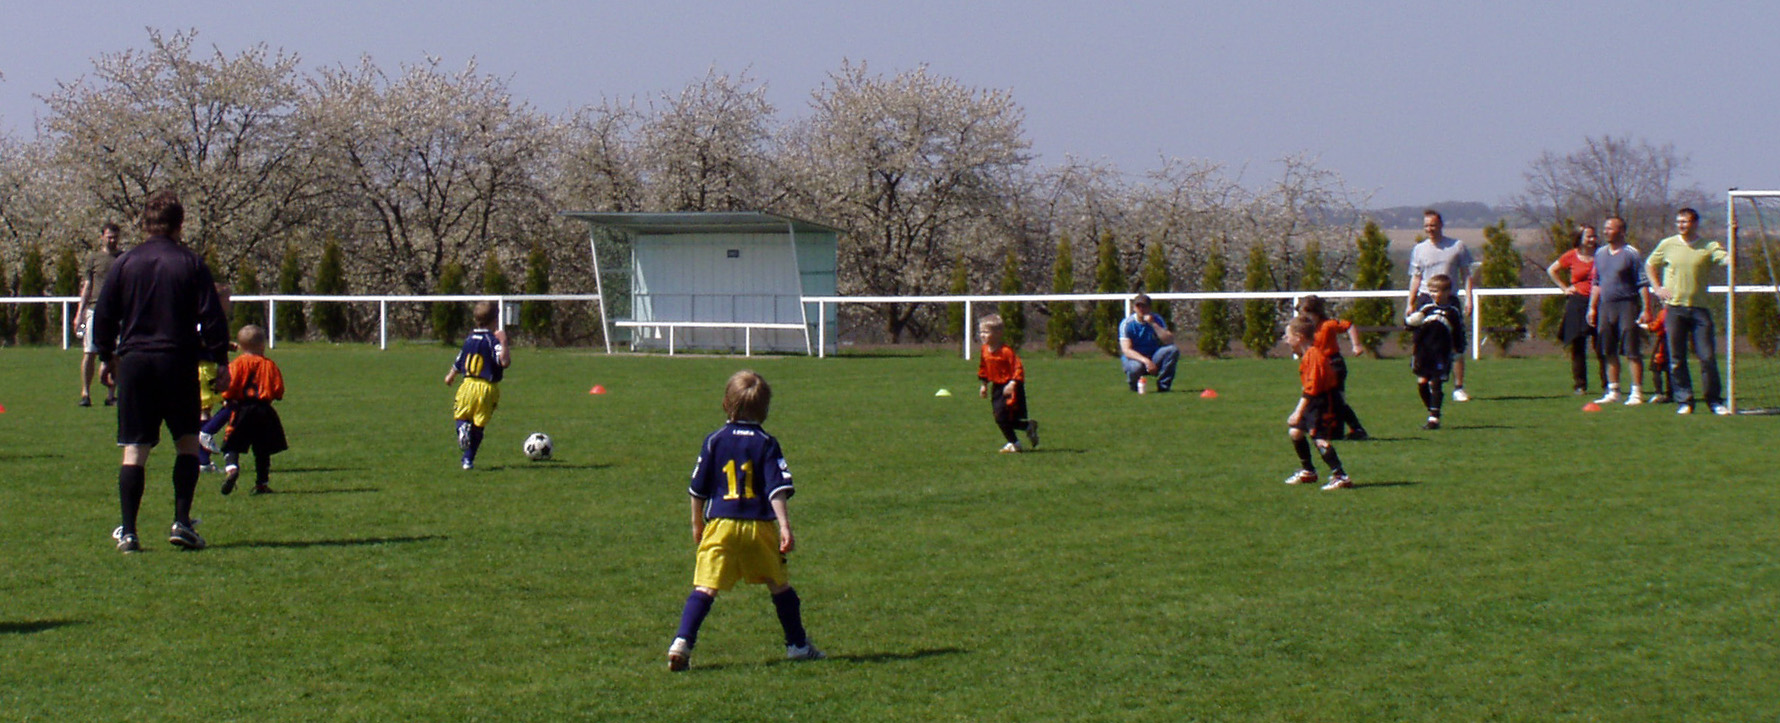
(1433, 423)
(807, 651)
(1339, 481)
(208, 441)
(263, 489)
(463, 436)
(232, 473)
(1684, 409)
(1579, 391)
(680, 655)
(1633, 400)
(184, 536)
(1010, 448)
(1032, 432)
(468, 465)
(86, 401)
(1611, 397)
(1719, 409)
(1459, 395)
(1358, 435)
(126, 543)
(1302, 477)
(1659, 399)
(111, 400)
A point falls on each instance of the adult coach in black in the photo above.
(147, 325)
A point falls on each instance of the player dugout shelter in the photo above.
(730, 281)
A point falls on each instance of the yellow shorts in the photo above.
(208, 398)
(740, 551)
(476, 400)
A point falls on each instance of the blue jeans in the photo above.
(1165, 358)
(1693, 323)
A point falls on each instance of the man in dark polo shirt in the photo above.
(146, 328)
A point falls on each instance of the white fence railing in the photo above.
(821, 342)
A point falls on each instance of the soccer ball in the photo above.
(538, 446)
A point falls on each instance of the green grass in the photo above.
(1528, 562)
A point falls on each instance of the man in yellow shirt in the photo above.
(1685, 259)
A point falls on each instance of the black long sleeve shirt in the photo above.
(160, 297)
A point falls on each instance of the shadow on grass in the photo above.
(1519, 397)
(1402, 483)
(341, 491)
(1375, 438)
(34, 626)
(855, 658)
(29, 456)
(545, 465)
(1477, 426)
(359, 542)
(312, 470)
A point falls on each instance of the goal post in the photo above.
(1752, 302)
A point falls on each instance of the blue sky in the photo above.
(1412, 102)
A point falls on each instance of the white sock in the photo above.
(1634, 390)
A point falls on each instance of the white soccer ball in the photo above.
(1416, 318)
(538, 446)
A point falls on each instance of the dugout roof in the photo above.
(700, 222)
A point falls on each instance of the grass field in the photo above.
(1528, 562)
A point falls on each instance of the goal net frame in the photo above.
(1764, 231)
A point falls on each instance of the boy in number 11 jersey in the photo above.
(741, 485)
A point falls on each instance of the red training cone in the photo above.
(1591, 407)
(1209, 394)
(597, 389)
(2, 409)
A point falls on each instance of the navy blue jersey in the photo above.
(481, 357)
(739, 470)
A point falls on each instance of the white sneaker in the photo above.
(1459, 395)
(1611, 397)
(1684, 409)
(1633, 400)
(208, 441)
(1010, 448)
(1302, 477)
(807, 651)
(1720, 410)
(679, 655)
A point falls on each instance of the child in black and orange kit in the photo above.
(254, 384)
(1326, 341)
(1315, 419)
(1004, 384)
(1659, 355)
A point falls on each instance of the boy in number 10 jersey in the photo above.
(741, 485)
(482, 362)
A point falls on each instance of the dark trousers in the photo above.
(1579, 361)
(1692, 325)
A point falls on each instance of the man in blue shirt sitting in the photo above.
(1147, 346)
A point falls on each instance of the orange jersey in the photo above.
(1315, 373)
(252, 376)
(1327, 337)
(1000, 366)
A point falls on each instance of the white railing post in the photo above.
(822, 329)
(382, 324)
(968, 322)
(748, 341)
(65, 326)
(271, 324)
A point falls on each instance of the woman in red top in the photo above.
(1579, 262)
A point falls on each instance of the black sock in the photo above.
(1331, 458)
(1302, 447)
(185, 484)
(1007, 430)
(262, 467)
(131, 479)
(1436, 395)
(790, 610)
(475, 442)
(1422, 389)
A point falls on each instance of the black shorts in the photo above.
(1008, 411)
(155, 389)
(1319, 419)
(1617, 322)
(255, 425)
